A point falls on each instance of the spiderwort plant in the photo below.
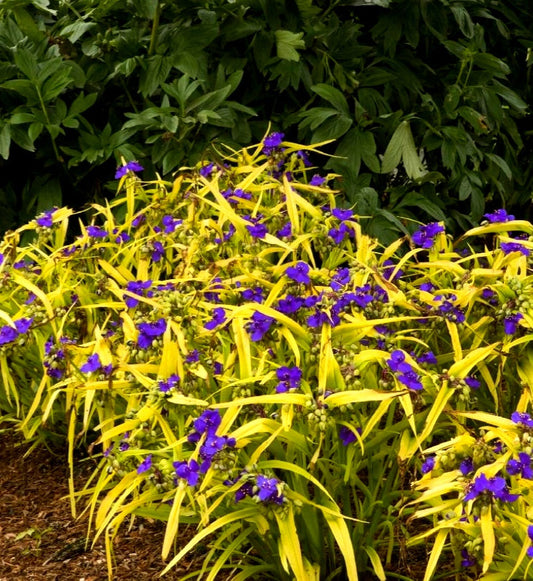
(252, 363)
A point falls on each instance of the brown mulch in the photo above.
(41, 541)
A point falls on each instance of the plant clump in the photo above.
(240, 357)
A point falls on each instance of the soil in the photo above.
(41, 541)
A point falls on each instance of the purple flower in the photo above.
(227, 236)
(148, 331)
(145, 465)
(426, 234)
(272, 142)
(428, 358)
(158, 251)
(500, 215)
(8, 334)
(468, 560)
(259, 326)
(466, 466)
(22, 325)
(427, 287)
(257, 230)
(124, 169)
(170, 223)
(208, 422)
(317, 180)
(268, 489)
(495, 487)
(530, 532)
(96, 232)
(193, 356)
(45, 219)
(92, 364)
(340, 233)
(122, 237)
(511, 323)
(509, 247)
(319, 318)
(404, 371)
(472, 382)
(206, 170)
(342, 214)
(170, 383)
(188, 471)
(136, 287)
(218, 368)
(289, 378)
(285, 231)
(522, 466)
(299, 272)
(254, 295)
(428, 464)
(340, 279)
(389, 268)
(522, 419)
(290, 304)
(347, 436)
(219, 317)
(245, 490)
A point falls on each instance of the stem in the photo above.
(45, 111)
(155, 26)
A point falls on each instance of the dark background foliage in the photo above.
(426, 99)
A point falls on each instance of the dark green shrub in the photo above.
(423, 97)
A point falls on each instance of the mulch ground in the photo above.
(41, 541)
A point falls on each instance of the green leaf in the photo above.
(5, 141)
(502, 164)
(474, 118)
(333, 96)
(155, 74)
(288, 43)
(22, 87)
(332, 129)
(209, 101)
(402, 147)
(81, 103)
(26, 62)
(76, 30)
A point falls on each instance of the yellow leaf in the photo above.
(433, 560)
(462, 366)
(171, 530)
(489, 540)
(340, 531)
(289, 543)
(243, 514)
(456, 342)
(444, 394)
(242, 341)
(361, 395)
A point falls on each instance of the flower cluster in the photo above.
(8, 334)
(149, 331)
(489, 489)
(404, 371)
(426, 235)
(131, 166)
(205, 428)
(260, 487)
(289, 378)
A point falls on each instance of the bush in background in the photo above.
(426, 100)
